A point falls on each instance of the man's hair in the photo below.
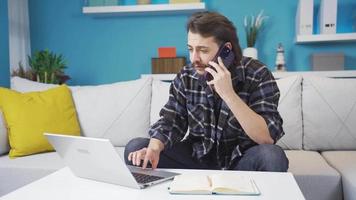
(214, 24)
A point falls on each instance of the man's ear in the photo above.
(229, 45)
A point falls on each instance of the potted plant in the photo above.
(48, 67)
(24, 73)
(253, 26)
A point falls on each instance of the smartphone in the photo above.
(227, 56)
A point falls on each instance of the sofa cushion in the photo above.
(20, 85)
(345, 163)
(25, 85)
(316, 179)
(290, 109)
(160, 95)
(4, 141)
(118, 111)
(329, 113)
(48, 161)
(29, 115)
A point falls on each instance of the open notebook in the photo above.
(229, 184)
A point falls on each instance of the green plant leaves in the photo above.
(253, 26)
(48, 66)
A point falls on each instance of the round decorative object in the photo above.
(250, 52)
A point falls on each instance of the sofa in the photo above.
(319, 116)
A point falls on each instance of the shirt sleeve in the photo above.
(264, 101)
(173, 124)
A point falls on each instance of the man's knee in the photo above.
(272, 157)
(134, 145)
(264, 157)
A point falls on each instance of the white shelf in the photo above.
(340, 37)
(330, 74)
(150, 8)
(277, 75)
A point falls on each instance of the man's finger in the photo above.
(221, 64)
(134, 154)
(216, 66)
(138, 159)
(211, 71)
(145, 161)
(154, 164)
(129, 156)
(210, 82)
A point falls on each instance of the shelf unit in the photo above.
(150, 8)
(277, 75)
(339, 37)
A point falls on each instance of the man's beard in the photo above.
(200, 65)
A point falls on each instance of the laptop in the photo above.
(97, 159)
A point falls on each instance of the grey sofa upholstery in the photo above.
(345, 163)
(319, 116)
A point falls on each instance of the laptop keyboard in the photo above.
(144, 178)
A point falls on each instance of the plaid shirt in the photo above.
(191, 106)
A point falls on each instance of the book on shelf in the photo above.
(222, 184)
(304, 17)
(328, 16)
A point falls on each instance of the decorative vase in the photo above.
(250, 52)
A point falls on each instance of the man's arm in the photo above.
(170, 128)
(172, 125)
(254, 124)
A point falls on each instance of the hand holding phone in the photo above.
(227, 56)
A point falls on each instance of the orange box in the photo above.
(167, 52)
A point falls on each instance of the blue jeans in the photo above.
(263, 157)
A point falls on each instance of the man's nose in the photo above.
(195, 56)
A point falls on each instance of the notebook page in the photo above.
(190, 184)
(232, 184)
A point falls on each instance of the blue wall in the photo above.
(4, 45)
(109, 49)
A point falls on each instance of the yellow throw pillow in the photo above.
(29, 115)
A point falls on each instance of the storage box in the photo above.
(167, 52)
(167, 65)
(327, 61)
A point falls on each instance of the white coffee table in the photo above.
(63, 185)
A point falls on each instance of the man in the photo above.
(232, 120)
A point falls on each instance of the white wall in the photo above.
(19, 33)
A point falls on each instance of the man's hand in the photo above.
(253, 124)
(151, 153)
(222, 79)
